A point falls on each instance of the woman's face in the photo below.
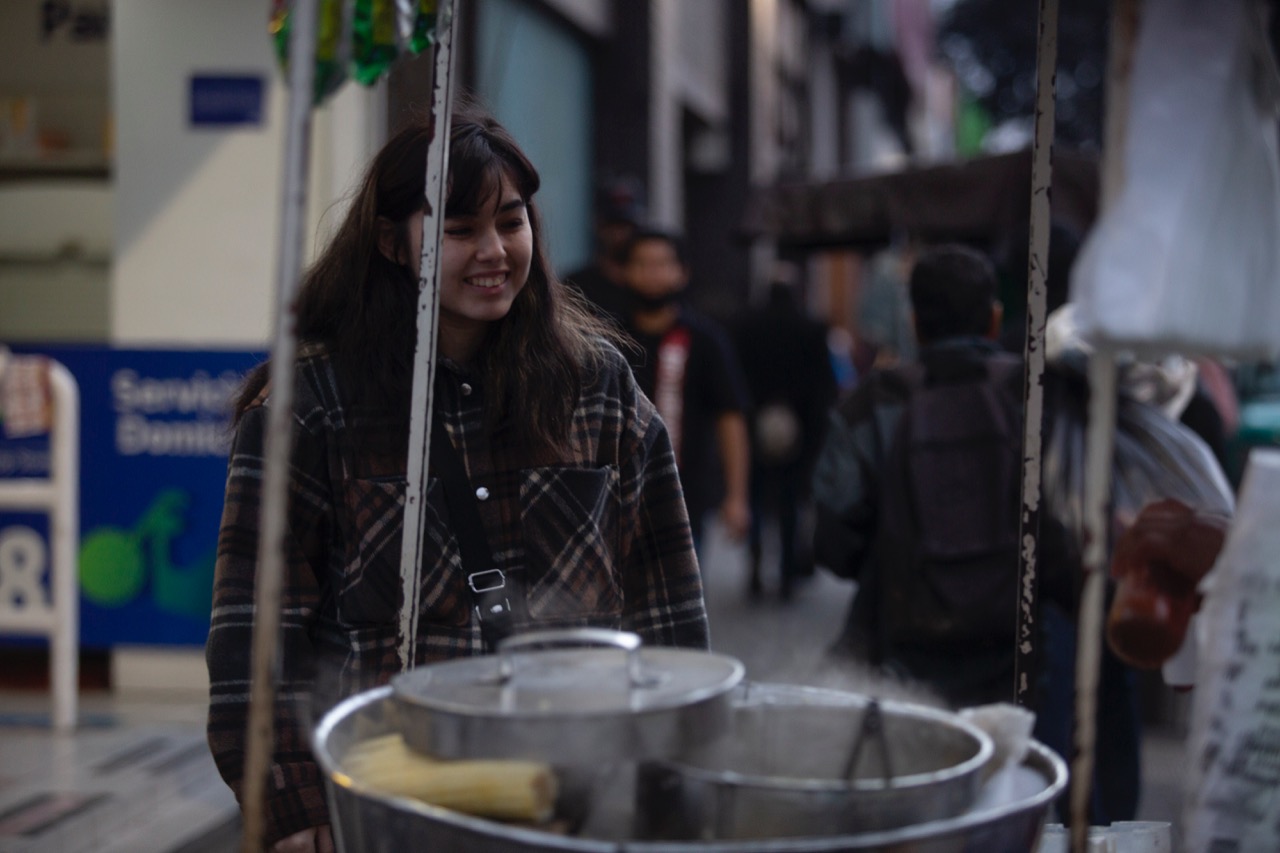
(484, 264)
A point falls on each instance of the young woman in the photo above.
(574, 477)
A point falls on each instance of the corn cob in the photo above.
(505, 790)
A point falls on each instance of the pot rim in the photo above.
(834, 699)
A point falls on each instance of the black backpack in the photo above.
(947, 530)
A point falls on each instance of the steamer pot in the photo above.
(365, 821)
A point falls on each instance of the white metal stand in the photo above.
(265, 662)
(424, 361)
(59, 496)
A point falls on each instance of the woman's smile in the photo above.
(488, 280)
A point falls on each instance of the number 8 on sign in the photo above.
(23, 558)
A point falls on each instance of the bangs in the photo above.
(476, 169)
(470, 190)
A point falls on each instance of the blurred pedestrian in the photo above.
(917, 491)
(576, 516)
(619, 211)
(685, 363)
(788, 368)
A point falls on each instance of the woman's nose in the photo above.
(489, 244)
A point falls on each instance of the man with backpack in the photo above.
(917, 490)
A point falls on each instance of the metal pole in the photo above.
(279, 438)
(424, 367)
(1099, 446)
(1033, 382)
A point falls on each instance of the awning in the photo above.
(978, 199)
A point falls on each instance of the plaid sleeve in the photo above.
(661, 581)
(295, 795)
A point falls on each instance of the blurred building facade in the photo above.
(129, 220)
(141, 155)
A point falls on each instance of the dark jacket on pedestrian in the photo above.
(944, 640)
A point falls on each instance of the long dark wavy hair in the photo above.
(362, 307)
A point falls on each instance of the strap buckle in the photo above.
(500, 582)
(489, 611)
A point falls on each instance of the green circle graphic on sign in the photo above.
(112, 568)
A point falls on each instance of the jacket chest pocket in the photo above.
(569, 518)
(368, 590)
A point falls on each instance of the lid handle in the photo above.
(627, 641)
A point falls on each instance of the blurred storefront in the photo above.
(140, 194)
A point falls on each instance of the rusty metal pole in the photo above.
(1033, 382)
(424, 365)
(279, 438)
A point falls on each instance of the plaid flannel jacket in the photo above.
(602, 537)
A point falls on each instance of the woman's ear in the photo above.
(389, 240)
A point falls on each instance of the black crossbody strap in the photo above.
(496, 598)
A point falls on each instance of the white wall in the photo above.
(764, 90)
(198, 209)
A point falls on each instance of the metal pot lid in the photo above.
(533, 677)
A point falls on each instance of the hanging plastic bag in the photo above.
(1187, 257)
(422, 30)
(358, 38)
(374, 45)
(333, 44)
(1155, 457)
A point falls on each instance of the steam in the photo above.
(856, 677)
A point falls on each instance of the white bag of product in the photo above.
(1233, 784)
(1188, 256)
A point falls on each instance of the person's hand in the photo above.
(735, 515)
(315, 839)
(1158, 563)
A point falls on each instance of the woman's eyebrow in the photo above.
(514, 204)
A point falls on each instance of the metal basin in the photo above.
(366, 821)
(781, 770)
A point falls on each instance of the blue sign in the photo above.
(154, 436)
(226, 99)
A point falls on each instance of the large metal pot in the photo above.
(366, 821)
(603, 699)
(801, 761)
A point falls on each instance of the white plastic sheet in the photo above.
(1188, 257)
(1233, 782)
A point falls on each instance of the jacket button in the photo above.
(466, 389)
(482, 494)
